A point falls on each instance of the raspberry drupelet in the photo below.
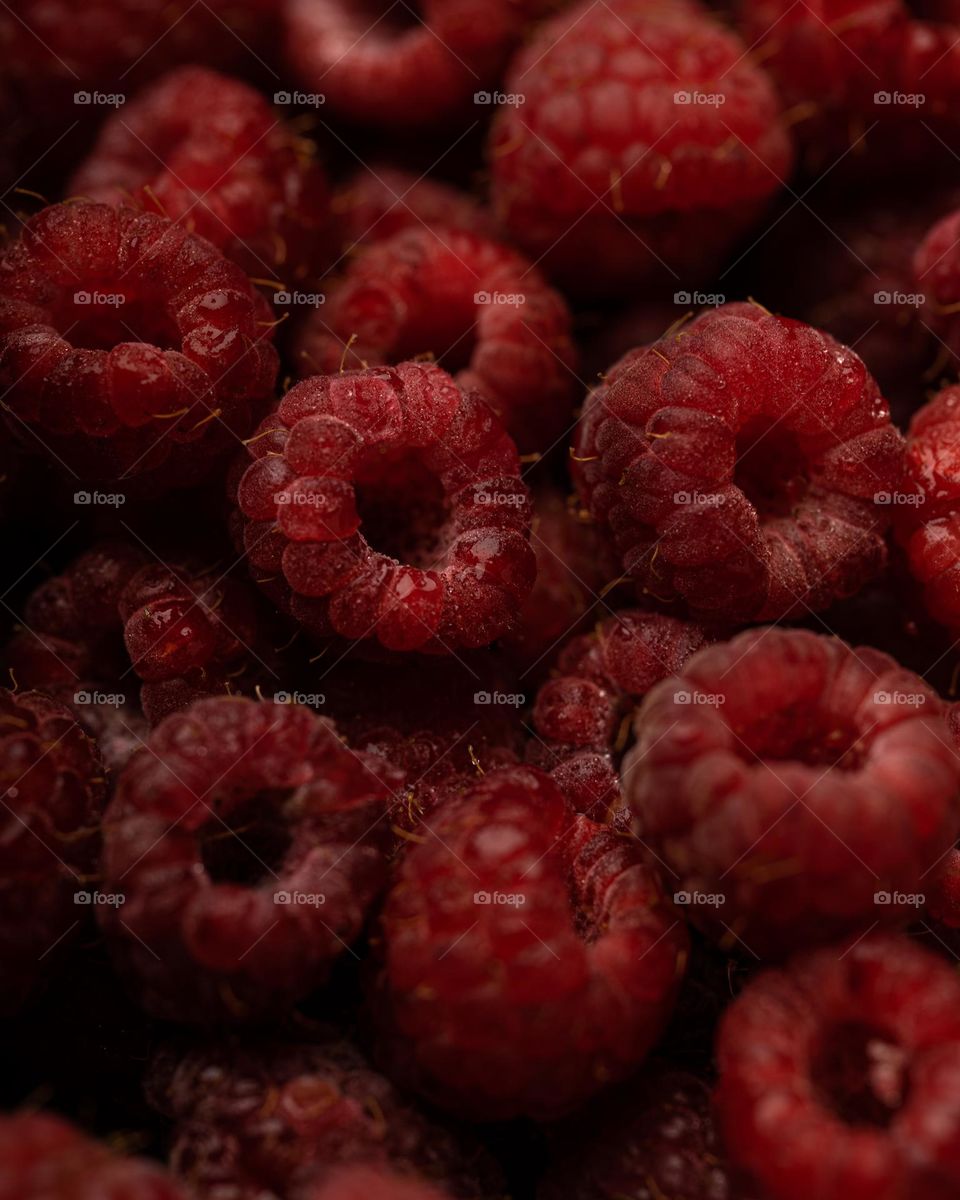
(839, 1075)
(370, 1183)
(46, 1158)
(261, 1120)
(579, 714)
(388, 503)
(129, 347)
(771, 772)
(738, 463)
(51, 800)
(528, 955)
(613, 170)
(208, 151)
(476, 305)
(249, 843)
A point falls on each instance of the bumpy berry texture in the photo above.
(128, 345)
(613, 168)
(385, 69)
(260, 1121)
(839, 1075)
(381, 201)
(388, 504)
(928, 515)
(654, 1137)
(190, 631)
(248, 842)
(45, 1158)
(528, 954)
(741, 465)
(936, 270)
(580, 714)
(209, 151)
(50, 807)
(769, 774)
(371, 1183)
(474, 304)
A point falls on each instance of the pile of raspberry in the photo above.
(480, 600)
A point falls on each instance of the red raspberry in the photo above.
(370, 1183)
(839, 1075)
(208, 151)
(770, 773)
(587, 957)
(44, 1158)
(606, 173)
(389, 503)
(248, 842)
(402, 69)
(943, 902)
(652, 1138)
(471, 302)
(379, 202)
(737, 463)
(936, 269)
(259, 1120)
(579, 714)
(51, 799)
(80, 382)
(928, 508)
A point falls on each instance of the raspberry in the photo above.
(262, 1119)
(467, 300)
(768, 777)
(928, 515)
(379, 202)
(406, 69)
(248, 842)
(839, 1075)
(587, 958)
(189, 631)
(737, 464)
(936, 268)
(943, 903)
(50, 806)
(388, 502)
(208, 150)
(579, 714)
(45, 1158)
(81, 284)
(606, 173)
(369, 1183)
(650, 1139)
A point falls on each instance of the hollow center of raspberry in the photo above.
(402, 507)
(861, 1074)
(793, 735)
(251, 846)
(771, 469)
(101, 316)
